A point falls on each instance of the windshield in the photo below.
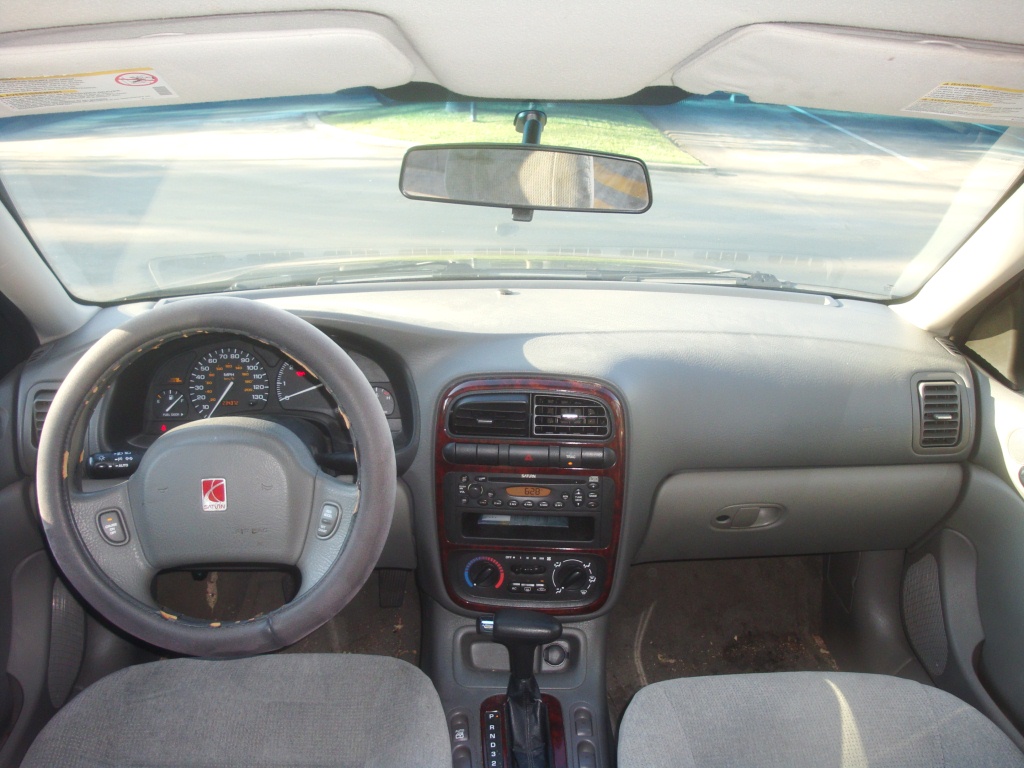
(176, 200)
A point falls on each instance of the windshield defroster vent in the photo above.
(491, 415)
(40, 407)
(577, 417)
(940, 414)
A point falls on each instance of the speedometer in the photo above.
(228, 380)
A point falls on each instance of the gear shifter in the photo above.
(522, 632)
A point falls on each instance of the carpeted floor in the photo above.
(362, 627)
(674, 619)
(712, 618)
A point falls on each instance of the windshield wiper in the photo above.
(385, 270)
(725, 276)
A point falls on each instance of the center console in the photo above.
(529, 479)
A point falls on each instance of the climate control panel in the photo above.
(527, 576)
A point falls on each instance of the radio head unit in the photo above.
(528, 509)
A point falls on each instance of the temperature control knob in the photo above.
(484, 572)
(573, 576)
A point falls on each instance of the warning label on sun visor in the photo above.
(976, 102)
(123, 85)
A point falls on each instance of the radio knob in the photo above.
(573, 576)
(475, 490)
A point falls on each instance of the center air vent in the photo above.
(578, 417)
(491, 415)
(940, 414)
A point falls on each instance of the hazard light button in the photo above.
(528, 455)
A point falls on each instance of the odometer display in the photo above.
(228, 381)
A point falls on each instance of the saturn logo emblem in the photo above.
(215, 494)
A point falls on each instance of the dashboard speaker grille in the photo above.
(40, 407)
(491, 415)
(575, 417)
(940, 414)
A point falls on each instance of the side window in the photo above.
(997, 337)
(17, 339)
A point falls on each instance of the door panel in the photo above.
(977, 592)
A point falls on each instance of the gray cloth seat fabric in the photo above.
(286, 710)
(805, 719)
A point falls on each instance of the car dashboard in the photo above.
(550, 435)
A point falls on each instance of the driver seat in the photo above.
(309, 710)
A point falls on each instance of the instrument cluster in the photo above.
(236, 378)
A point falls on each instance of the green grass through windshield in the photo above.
(594, 127)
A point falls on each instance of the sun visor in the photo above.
(216, 58)
(860, 70)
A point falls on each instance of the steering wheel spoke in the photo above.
(103, 518)
(335, 504)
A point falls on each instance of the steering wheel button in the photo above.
(329, 516)
(112, 527)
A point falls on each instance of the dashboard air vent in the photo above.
(580, 417)
(491, 415)
(40, 407)
(940, 414)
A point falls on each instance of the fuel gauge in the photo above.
(171, 404)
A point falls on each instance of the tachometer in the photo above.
(298, 390)
(228, 380)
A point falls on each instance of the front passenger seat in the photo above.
(807, 720)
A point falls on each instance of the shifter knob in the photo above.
(522, 632)
(517, 625)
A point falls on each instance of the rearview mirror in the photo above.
(524, 176)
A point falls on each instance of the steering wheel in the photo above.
(216, 491)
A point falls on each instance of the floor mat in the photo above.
(362, 627)
(714, 617)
